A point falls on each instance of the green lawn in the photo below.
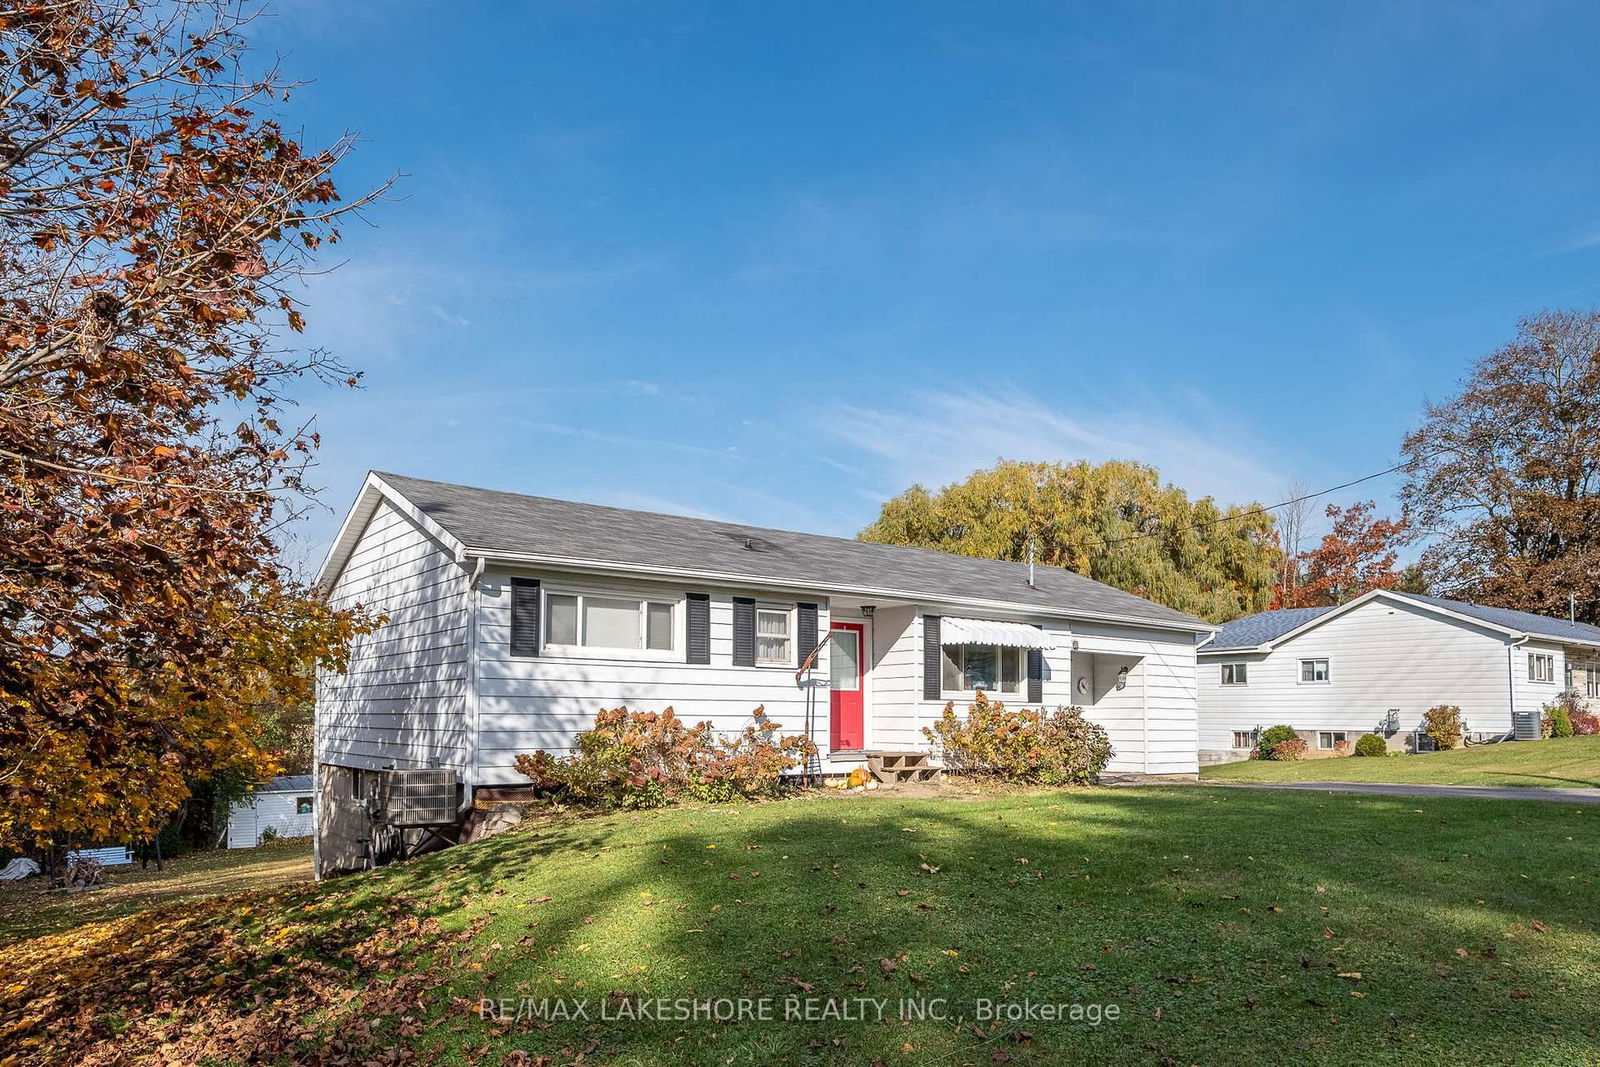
(26, 912)
(1225, 927)
(1572, 762)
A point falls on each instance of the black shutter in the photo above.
(807, 630)
(1035, 676)
(744, 632)
(697, 623)
(932, 658)
(524, 616)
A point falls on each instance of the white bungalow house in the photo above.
(1377, 663)
(513, 619)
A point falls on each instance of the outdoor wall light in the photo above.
(1122, 678)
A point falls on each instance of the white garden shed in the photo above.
(283, 805)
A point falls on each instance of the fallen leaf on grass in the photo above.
(1539, 926)
(1349, 974)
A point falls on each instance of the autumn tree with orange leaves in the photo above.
(154, 219)
(1357, 556)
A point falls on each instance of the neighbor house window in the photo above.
(774, 637)
(302, 805)
(1236, 674)
(1331, 738)
(588, 620)
(1314, 670)
(992, 668)
(356, 784)
(1244, 739)
(1591, 680)
(1541, 667)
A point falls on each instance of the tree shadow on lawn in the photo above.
(1226, 927)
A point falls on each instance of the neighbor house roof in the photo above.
(1261, 628)
(286, 783)
(1269, 627)
(512, 527)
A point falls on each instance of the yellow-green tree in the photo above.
(1114, 522)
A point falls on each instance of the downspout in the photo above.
(1511, 676)
(471, 769)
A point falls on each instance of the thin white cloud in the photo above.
(936, 438)
(584, 433)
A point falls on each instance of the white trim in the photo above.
(373, 491)
(746, 581)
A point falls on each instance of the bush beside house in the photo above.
(1371, 745)
(1027, 746)
(1443, 725)
(644, 759)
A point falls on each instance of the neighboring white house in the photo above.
(513, 619)
(283, 805)
(1378, 663)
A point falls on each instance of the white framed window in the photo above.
(302, 805)
(1314, 671)
(1236, 674)
(995, 669)
(1330, 739)
(1244, 739)
(1541, 667)
(774, 637)
(1591, 680)
(591, 623)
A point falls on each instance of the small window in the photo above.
(774, 644)
(1330, 739)
(1541, 667)
(1244, 739)
(1314, 670)
(357, 786)
(991, 668)
(1591, 680)
(302, 805)
(1236, 674)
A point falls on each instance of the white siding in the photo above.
(1381, 655)
(1151, 721)
(253, 814)
(544, 702)
(403, 700)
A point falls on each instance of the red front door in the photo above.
(846, 715)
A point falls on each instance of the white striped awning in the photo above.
(953, 631)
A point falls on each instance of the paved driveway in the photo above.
(1483, 792)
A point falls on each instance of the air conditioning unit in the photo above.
(427, 796)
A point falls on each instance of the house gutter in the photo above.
(472, 681)
(567, 563)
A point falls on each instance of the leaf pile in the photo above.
(212, 981)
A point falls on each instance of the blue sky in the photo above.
(776, 262)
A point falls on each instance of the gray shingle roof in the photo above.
(495, 521)
(1254, 630)
(1258, 629)
(1525, 621)
(287, 783)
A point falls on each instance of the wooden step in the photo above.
(899, 768)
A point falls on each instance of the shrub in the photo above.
(1560, 722)
(1443, 724)
(1060, 748)
(1270, 737)
(1560, 715)
(1371, 745)
(1290, 748)
(641, 759)
(1583, 723)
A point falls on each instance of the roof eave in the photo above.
(761, 582)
